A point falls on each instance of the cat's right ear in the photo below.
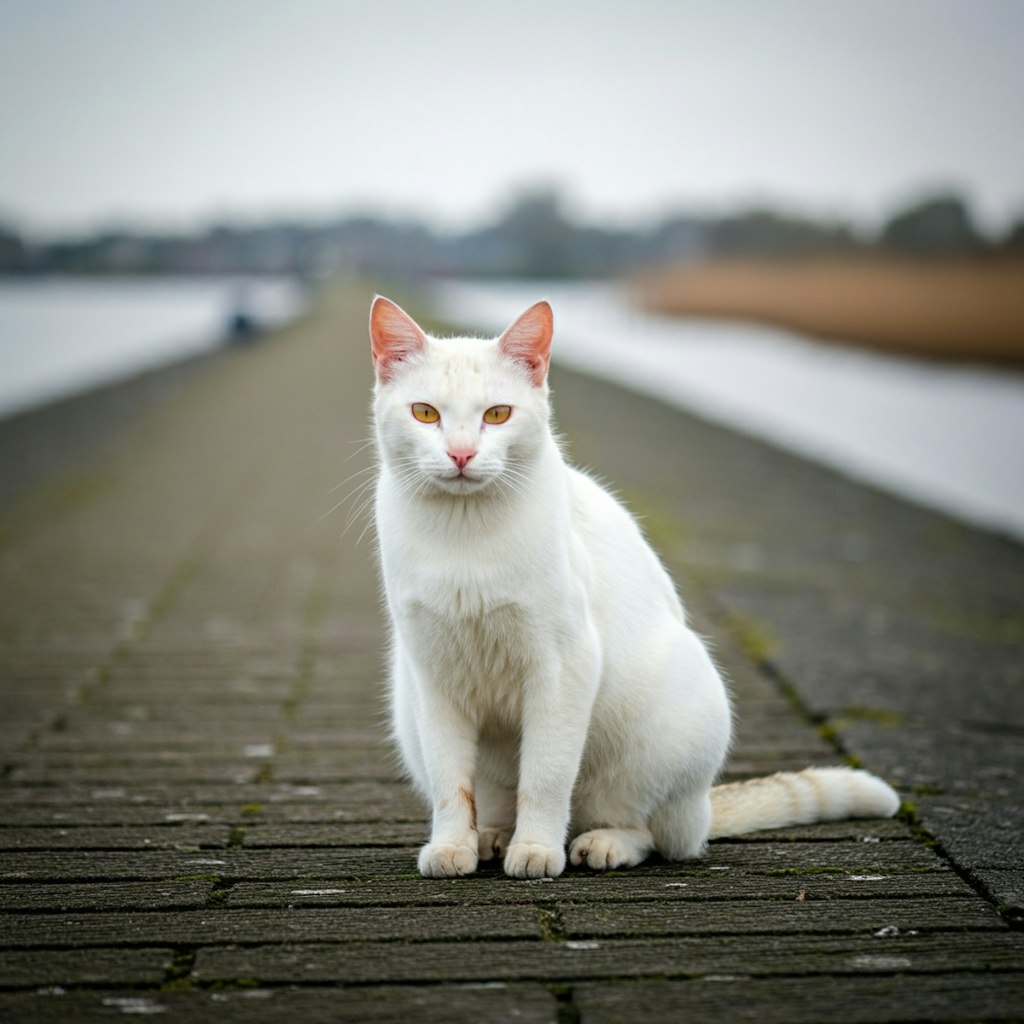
(394, 336)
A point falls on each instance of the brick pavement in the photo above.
(199, 816)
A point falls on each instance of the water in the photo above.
(947, 436)
(63, 335)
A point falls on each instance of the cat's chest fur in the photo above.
(482, 661)
(474, 601)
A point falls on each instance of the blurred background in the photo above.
(805, 219)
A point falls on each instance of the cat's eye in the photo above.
(497, 414)
(425, 413)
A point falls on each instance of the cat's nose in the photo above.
(461, 456)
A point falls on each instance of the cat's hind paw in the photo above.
(534, 860)
(494, 842)
(604, 849)
(446, 860)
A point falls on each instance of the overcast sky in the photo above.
(177, 111)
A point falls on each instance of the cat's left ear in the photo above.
(528, 341)
(394, 336)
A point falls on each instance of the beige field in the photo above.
(951, 310)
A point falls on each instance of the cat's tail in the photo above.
(799, 798)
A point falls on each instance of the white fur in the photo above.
(545, 685)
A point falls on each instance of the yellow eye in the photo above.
(425, 413)
(497, 414)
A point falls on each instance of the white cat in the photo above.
(544, 682)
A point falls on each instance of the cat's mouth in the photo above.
(461, 482)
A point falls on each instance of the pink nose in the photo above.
(461, 456)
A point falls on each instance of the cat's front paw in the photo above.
(446, 860)
(534, 860)
(494, 842)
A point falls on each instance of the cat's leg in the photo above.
(613, 829)
(605, 849)
(449, 745)
(556, 715)
(496, 815)
(680, 825)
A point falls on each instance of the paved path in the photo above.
(200, 817)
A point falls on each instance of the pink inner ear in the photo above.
(528, 341)
(394, 336)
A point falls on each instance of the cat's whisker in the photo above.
(355, 493)
(363, 532)
(421, 486)
(364, 443)
(503, 490)
(513, 482)
(362, 500)
(333, 508)
(374, 469)
(352, 476)
(514, 473)
(367, 525)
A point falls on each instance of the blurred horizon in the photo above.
(536, 235)
(570, 209)
(170, 117)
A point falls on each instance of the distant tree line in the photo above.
(534, 237)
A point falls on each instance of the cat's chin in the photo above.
(461, 486)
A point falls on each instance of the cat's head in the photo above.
(460, 416)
